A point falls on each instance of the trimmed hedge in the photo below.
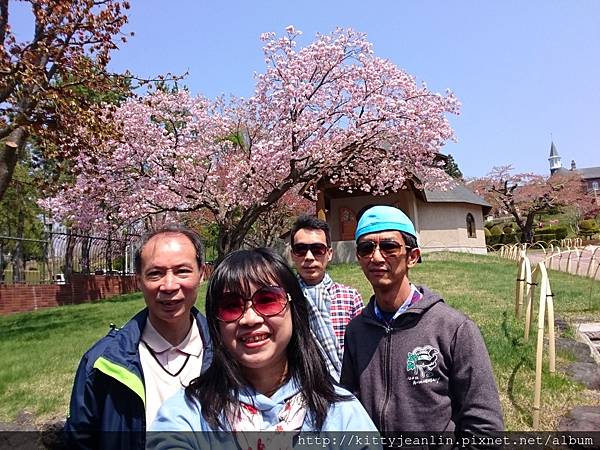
(508, 229)
(544, 237)
(588, 228)
(510, 238)
(495, 237)
(558, 231)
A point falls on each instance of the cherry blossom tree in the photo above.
(279, 219)
(331, 110)
(45, 82)
(524, 195)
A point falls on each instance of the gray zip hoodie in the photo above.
(428, 370)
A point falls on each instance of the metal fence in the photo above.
(57, 255)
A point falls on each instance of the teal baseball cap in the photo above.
(384, 218)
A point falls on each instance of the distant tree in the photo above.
(524, 195)
(451, 168)
(583, 208)
(331, 110)
(45, 82)
(20, 219)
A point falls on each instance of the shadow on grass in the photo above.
(525, 415)
(516, 344)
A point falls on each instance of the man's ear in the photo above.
(329, 254)
(413, 257)
(203, 272)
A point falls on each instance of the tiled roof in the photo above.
(458, 194)
(585, 172)
(589, 172)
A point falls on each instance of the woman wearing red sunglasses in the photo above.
(267, 372)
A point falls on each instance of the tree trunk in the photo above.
(108, 255)
(71, 241)
(85, 255)
(225, 244)
(3, 261)
(18, 259)
(231, 237)
(528, 228)
(9, 151)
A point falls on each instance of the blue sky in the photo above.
(523, 70)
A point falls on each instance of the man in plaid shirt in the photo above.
(332, 305)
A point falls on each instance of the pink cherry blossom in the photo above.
(330, 111)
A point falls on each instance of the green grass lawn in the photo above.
(40, 350)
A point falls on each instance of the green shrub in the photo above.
(510, 238)
(495, 236)
(508, 229)
(496, 230)
(489, 239)
(545, 237)
(588, 225)
(558, 231)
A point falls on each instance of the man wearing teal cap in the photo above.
(415, 363)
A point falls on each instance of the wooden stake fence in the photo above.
(523, 283)
(526, 282)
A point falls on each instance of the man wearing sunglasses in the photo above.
(331, 305)
(415, 363)
(124, 378)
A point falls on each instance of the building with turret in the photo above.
(589, 175)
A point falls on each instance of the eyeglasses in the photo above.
(366, 249)
(317, 249)
(267, 301)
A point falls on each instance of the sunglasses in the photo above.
(267, 301)
(315, 249)
(366, 249)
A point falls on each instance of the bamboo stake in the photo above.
(592, 259)
(540, 347)
(523, 283)
(528, 310)
(551, 336)
(519, 286)
(592, 281)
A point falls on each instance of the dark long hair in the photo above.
(218, 387)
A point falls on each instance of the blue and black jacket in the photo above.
(107, 408)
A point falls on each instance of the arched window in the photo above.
(471, 226)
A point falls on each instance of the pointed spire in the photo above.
(553, 151)
(554, 159)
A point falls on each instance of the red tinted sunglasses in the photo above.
(267, 301)
(317, 249)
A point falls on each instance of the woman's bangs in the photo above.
(243, 270)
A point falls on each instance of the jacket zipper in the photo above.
(387, 377)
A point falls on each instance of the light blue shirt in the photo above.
(179, 414)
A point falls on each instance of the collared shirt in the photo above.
(168, 368)
(331, 307)
(413, 297)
